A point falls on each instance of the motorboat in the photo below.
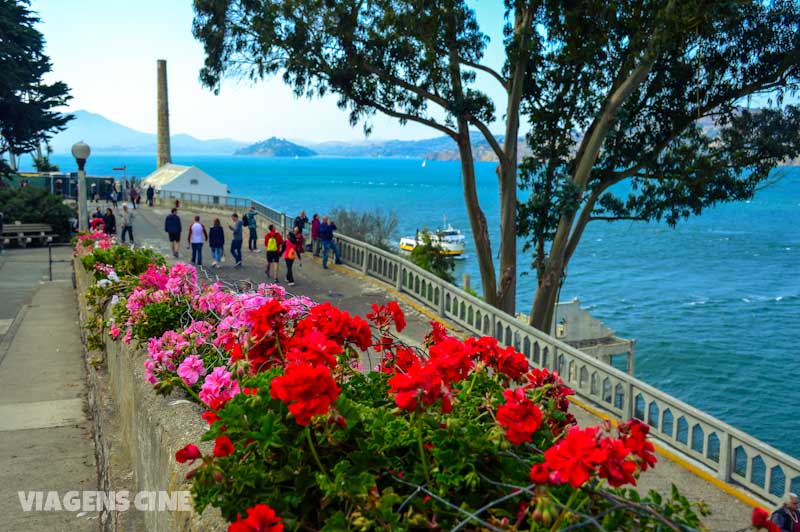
(449, 240)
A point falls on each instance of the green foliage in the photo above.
(646, 115)
(376, 227)
(36, 205)
(126, 261)
(429, 257)
(27, 104)
(160, 318)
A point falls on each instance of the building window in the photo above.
(194, 182)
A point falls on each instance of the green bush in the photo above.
(428, 256)
(376, 227)
(36, 205)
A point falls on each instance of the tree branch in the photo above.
(420, 120)
(477, 66)
(615, 218)
(501, 155)
(400, 82)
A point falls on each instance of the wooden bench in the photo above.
(24, 234)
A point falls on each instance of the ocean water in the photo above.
(713, 304)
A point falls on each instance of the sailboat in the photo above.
(424, 163)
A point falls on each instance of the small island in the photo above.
(275, 147)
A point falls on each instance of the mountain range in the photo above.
(104, 135)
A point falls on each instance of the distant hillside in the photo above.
(104, 135)
(275, 147)
(438, 148)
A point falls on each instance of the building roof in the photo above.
(184, 179)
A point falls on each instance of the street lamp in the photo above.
(81, 151)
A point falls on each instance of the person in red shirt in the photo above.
(316, 241)
(273, 242)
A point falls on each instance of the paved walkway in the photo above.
(45, 434)
(356, 294)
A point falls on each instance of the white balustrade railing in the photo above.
(733, 456)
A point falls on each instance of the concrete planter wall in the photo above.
(151, 428)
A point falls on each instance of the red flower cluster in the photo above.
(190, 452)
(519, 415)
(308, 390)
(267, 335)
(260, 518)
(383, 315)
(419, 384)
(336, 325)
(437, 334)
(558, 392)
(760, 519)
(223, 446)
(504, 360)
(584, 452)
(313, 348)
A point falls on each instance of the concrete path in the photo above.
(355, 293)
(45, 436)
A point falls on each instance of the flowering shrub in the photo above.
(458, 434)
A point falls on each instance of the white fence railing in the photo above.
(733, 456)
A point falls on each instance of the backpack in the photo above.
(245, 221)
(272, 244)
(291, 254)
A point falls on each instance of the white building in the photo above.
(186, 179)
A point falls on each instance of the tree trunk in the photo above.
(477, 220)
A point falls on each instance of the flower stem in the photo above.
(314, 452)
(425, 467)
(567, 508)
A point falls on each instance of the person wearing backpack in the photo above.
(252, 226)
(216, 241)
(197, 236)
(236, 242)
(274, 244)
(291, 254)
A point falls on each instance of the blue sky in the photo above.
(106, 51)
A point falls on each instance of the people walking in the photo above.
(786, 517)
(172, 226)
(326, 229)
(236, 242)
(150, 193)
(316, 242)
(197, 236)
(134, 196)
(110, 222)
(252, 227)
(127, 223)
(290, 254)
(112, 197)
(216, 241)
(273, 241)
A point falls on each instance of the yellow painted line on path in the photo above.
(666, 453)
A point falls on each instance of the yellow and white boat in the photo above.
(449, 240)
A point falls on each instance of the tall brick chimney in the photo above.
(164, 152)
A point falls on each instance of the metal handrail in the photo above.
(732, 455)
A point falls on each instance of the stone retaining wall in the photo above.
(150, 430)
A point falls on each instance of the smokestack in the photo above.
(164, 152)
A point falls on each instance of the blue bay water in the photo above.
(714, 304)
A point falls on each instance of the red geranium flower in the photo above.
(210, 417)
(576, 456)
(519, 415)
(223, 446)
(451, 359)
(634, 435)
(617, 468)
(399, 361)
(337, 325)
(313, 348)
(308, 390)
(437, 334)
(397, 316)
(419, 383)
(760, 520)
(260, 518)
(190, 452)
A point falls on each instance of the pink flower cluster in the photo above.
(88, 242)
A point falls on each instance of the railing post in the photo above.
(365, 262)
(398, 284)
(442, 308)
(283, 222)
(629, 402)
(725, 458)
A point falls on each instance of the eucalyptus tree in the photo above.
(414, 60)
(27, 104)
(651, 110)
